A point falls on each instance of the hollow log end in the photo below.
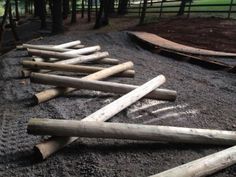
(38, 155)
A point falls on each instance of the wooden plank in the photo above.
(169, 45)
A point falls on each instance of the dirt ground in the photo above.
(206, 99)
(207, 33)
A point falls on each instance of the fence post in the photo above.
(143, 14)
(189, 8)
(230, 8)
(160, 12)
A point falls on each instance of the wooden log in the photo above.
(112, 87)
(170, 134)
(77, 46)
(69, 68)
(54, 92)
(73, 44)
(111, 61)
(65, 55)
(55, 143)
(204, 166)
(68, 45)
(46, 48)
(85, 59)
(85, 50)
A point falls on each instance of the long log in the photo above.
(85, 50)
(54, 92)
(68, 45)
(112, 87)
(69, 68)
(204, 166)
(55, 143)
(73, 44)
(85, 59)
(65, 55)
(111, 61)
(47, 48)
(56, 127)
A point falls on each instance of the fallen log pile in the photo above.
(74, 57)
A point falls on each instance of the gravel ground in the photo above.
(206, 99)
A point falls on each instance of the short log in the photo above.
(54, 92)
(204, 166)
(111, 87)
(57, 127)
(55, 143)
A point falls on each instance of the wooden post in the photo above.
(55, 143)
(161, 7)
(230, 8)
(54, 92)
(69, 54)
(69, 68)
(57, 127)
(204, 166)
(112, 87)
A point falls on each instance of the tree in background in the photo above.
(73, 15)
(66, 8)
(102, 17)
(57, 20)
(182, 6)
(122, 7)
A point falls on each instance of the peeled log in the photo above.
(65, 55)
(54, 92)
(47, 48)
(112, 87)
(85, 50)
(57, 127)
(68, 45)
(204, 166)
(69, 68)
(55, 143)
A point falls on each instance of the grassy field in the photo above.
(155, 8)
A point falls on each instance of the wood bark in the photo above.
(57, 127)
(204, 166)
(54, 92)
(66, 8)
(112, 87)
(55, 143)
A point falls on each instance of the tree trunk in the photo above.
(57, 22)
(102, 17)
(73, 16)
(182, 7)
(17, 10)
(89, 10)
(13, 26)
(26, 6)
(122, 7)
(82, 10)
(42, 13)
(66, 8)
